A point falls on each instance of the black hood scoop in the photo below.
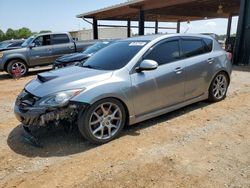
(45, 78)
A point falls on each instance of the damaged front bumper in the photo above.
(30, 115)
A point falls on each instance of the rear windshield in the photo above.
(115, 56)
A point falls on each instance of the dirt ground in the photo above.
(202, 145)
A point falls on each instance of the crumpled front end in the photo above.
(29, 114)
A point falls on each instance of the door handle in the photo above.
(178, 70)
(71, 47)
(210, 61)
(49, 49)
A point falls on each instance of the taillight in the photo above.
(229, 56)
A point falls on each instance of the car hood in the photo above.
(11, 48)
(74, 77)
(15, 50)
(72, 57)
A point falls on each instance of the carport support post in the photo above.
(141, 22)
(156, 26)
(242, 43)
(95, 29)
(178, 26)
(229, 25)
(128, 28)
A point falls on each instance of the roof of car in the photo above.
(12, 41)
(153, 37)
(51, 33)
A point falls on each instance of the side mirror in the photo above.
(32, 45)
(147, 65)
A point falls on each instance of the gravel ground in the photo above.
(202, 145)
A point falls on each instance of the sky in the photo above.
(60, 15)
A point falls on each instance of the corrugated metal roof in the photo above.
(129, 3)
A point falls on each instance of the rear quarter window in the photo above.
(208, 44)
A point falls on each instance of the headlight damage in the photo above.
(58, 99)
(32, 110)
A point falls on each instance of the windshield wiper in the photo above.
(87, 66)
(91, 67)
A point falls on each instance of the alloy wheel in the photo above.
(219, 86)
(105, 120)
(19, 66)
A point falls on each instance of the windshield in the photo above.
(115, 56)
(96, 47)
(27, 41)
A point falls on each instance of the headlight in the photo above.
(58, 99)
(1, 54)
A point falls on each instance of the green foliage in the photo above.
(21, 33)
(223, 37)
(1, 35)
(10, 34)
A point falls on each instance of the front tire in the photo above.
(218, 88)
(17, 68)
(102, 121)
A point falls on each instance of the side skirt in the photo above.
(143, 117)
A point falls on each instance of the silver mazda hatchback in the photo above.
(127, 82)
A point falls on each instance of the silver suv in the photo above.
(127, 82)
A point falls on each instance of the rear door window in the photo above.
(192, 47)
(60, 39)
(165, 53)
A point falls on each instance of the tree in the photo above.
(2, 35)
(23, 33)
(10, 34)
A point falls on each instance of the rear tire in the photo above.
(218, 88)
(14, 65)
(102, 121)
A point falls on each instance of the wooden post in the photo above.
(141, 22)
(229, 25)
(129, 28)
(156, 27)
(178, 26)
(95, 29)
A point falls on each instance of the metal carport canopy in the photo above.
(180, 11)
(166, 10)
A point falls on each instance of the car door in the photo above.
(41, 52)
(61, 45)
(164, 86)
(145, 92)
(197, 66)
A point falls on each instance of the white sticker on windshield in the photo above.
(137, 43)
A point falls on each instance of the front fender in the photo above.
(10, 57)
(119, 89)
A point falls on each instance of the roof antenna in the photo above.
(187, 28)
